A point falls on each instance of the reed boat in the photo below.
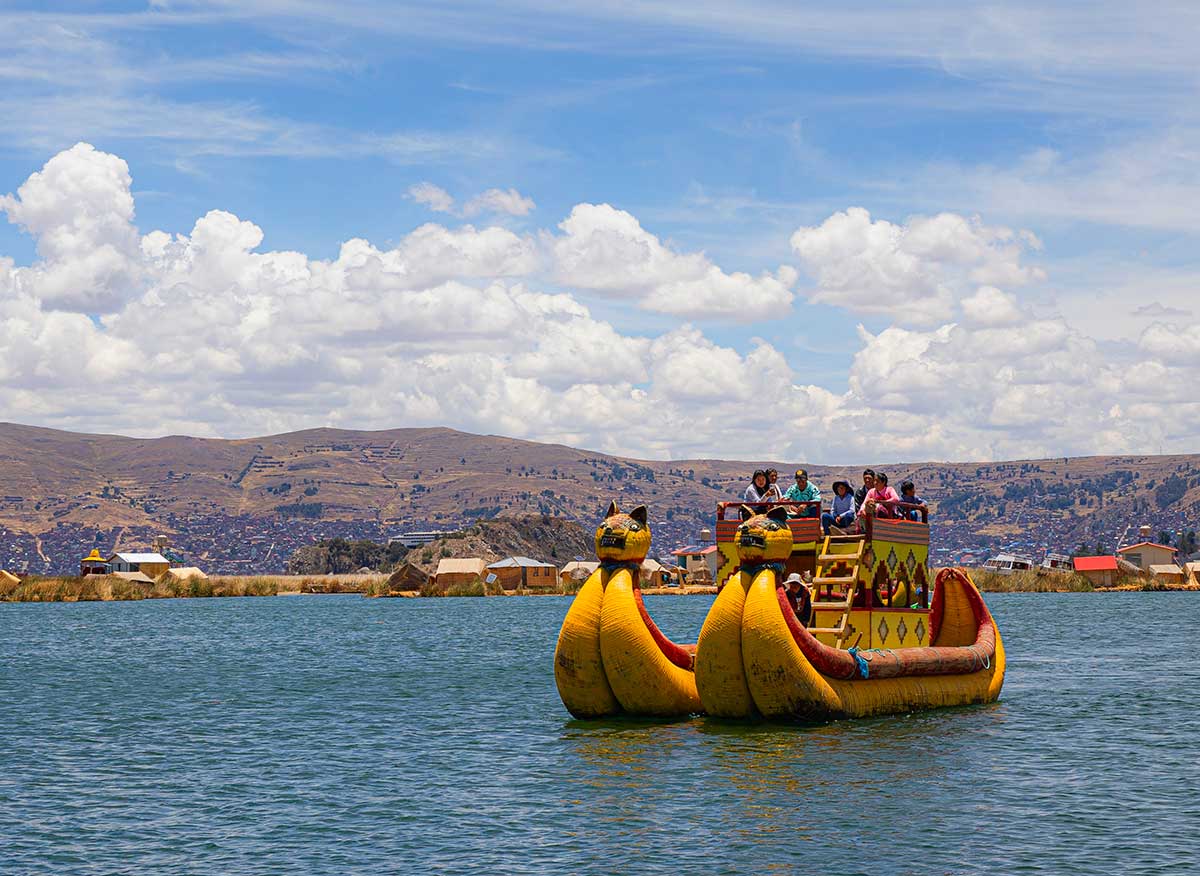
(611, 658)
(878, 641)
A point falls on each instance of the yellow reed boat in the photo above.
(877, 642)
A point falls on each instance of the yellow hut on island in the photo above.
(93, 564)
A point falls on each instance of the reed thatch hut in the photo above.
(407, 578)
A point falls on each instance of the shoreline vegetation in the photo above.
(108, 588)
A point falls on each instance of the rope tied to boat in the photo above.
(862, 662)
(864, 665)
(982, 661)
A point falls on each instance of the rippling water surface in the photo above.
(337, 735)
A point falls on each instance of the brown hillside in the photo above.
(549, 539)
(242, 506)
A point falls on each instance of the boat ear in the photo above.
(639, 514)
(746, 512)
(778, 514)
(612, 509)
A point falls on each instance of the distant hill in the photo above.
(246, 505)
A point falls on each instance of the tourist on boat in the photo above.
(860, 495)
(803, 491)
(772, 483)
(759, 489)
(881, 498)
(842, 510)
(799, 598)
(908, 495)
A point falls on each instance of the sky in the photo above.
(903, 231)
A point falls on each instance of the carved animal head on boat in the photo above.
(763, 538)
(623, 538)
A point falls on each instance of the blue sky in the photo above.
(723, 129)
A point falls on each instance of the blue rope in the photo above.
(864, 668)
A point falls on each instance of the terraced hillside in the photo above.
(244, 505)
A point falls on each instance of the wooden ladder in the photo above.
(837, 566)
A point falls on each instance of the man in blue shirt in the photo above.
(803, 491)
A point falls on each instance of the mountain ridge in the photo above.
(244, 504)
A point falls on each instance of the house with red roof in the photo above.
(698, 561)
(1101, 571)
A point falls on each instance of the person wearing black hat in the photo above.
(843, 508)
(803, 491)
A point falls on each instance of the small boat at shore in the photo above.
(878, 643)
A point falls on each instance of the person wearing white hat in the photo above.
(799, 598)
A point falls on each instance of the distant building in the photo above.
(655, 574)
(407, 578)
(524, 573)
(184, 573)
(93, 564)
(698, 561)
(453, 570)
(1168, 573)
(136, 577)
(151, 565)
(416, 539)
(1146, 554)
(1101, 571)
(577, 570)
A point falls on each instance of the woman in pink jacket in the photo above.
(881, 497)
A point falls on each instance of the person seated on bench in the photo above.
(799, 598)
(842, 510)
(803, 491)
(881, 499)
(908, 495)
(773, 484)
(759, 490)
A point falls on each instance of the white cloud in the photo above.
(990, 306)
(603, 249)
(434, 197)
(913, 273)
(508, 201)
(80, 210)
(456, 326)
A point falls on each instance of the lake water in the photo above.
(340, 735)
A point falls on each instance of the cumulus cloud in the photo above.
(603, 249)
(913, 273)
(205, 332)
(80, 210)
